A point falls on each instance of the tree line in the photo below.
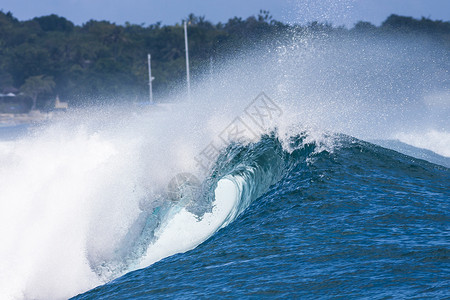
(99, 60)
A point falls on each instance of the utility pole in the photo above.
(188, 78)
(150, 79)
(211, 68)
(211, 71)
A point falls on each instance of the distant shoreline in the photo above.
(7, 120)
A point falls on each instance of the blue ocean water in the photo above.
(357, 221)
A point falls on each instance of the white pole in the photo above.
(150, 79)
(188, 79)
(211, 68)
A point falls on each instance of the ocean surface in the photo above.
(318, 169)
(360, 222)
(351, 220)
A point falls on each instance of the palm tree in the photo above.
(36, 85)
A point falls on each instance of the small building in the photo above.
(60, 106)
(12, 103)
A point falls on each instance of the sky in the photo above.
(336, 12)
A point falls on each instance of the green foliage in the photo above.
(364, 26)
(102, 60)
(36, 85)
(409, 24)
(54, 23)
